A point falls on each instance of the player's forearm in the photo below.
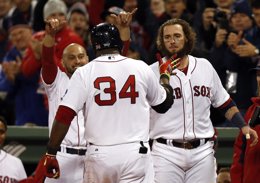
(58, 132)
(60, 127)
(231, 112)
(125, 48)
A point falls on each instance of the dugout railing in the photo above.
(29, 144)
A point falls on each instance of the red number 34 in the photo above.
(127, 91)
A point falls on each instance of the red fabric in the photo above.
(65, 115)
(49, 67)
(246, 160)
(225, 104)
(125, 47)
(63, 38)
(29, 63)
(50, 163)
(95, 8)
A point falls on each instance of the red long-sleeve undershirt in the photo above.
(49, 67)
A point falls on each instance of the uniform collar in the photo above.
(110, 58)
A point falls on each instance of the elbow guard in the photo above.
(166, 105)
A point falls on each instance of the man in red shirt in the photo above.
(246, 159)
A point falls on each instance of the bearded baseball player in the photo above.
(182, 149)
(115, 93)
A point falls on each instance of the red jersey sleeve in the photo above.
(49, 67)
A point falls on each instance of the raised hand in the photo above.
(53, 25)
(122, 21)
(246, 49)
(166, 68)
(233, 39)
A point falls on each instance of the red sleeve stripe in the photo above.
(65, 115)
(225, 104)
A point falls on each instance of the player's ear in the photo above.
(62, 62)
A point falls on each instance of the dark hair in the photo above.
(224, 169)
(255, 4)
(2, 119)
(188, 32)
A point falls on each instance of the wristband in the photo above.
(238, 120)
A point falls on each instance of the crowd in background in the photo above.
(219, 26)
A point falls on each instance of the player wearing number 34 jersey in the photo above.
(116, 94)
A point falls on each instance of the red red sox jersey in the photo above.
(55, 92)
(11, 168)
(116, 93)
(194, 93)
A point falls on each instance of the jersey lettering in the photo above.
(111, 90)
(127, 91)
(129, 85)
(6, 179)
(177, 93)
(201, 90)
(198, 91)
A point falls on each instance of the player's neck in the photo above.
(184, 62)
(107, 52)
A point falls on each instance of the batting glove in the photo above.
(167, 67)
(47, 167)
(51, 166)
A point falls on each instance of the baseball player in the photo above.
(73, 147)
(11, 168)
(115, 93)
(182, 150)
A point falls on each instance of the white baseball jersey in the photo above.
(116, 93)
(11, 168)
(194, 93)
(55, 92)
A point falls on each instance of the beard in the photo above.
(180, 54)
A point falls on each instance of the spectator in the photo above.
(38, 21)
(224, 175)
(6, 10)
(232, 68)
(177, 9)
(246, 162)
(64, 36)
(22, 91)
(251, 47)
(11, 168)
(78, 20)
(155, 14)
(25, 10)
